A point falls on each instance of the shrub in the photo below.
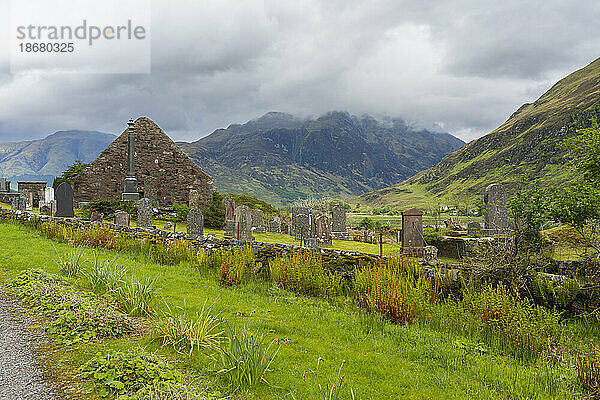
(304, 273)
(245, 357)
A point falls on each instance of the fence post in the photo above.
(301, 236)
(175, 224)
(380, 244)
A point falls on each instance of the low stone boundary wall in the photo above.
(338, 260)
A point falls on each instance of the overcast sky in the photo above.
(463, 65)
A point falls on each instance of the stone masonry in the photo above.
(173, 174)
(36, 188)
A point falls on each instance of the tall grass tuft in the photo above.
(588, 373)
(137, 297)
(185, 335)
(235, 265)
(104, 277)
(393, 290)
(245, 357)
(72, 264)
(304, 273)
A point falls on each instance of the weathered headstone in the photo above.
(275, 225)
(96, 216)
(64, 200)
(311, 243)
(258, 225)
(496, 215)
(151, 190)
(195, 222)
(122, 218)
(302, 229)
(243, 223)
(473, 229)
(46, 208)
(295, 212)
(412, 229)
(430, 255)
(323, 230)
(194, 200)
(49, 194)
(338, 223)
(144, 213)
(230, 227)
(29, 201)
(14, 204)
(229, 205)
(3, 185)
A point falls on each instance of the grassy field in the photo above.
(382, 360)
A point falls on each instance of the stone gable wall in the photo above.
(156, 156)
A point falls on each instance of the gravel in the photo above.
(20, 377)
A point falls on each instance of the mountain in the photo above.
(44, 158)
(526, 144)
(281, 158)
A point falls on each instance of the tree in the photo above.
(530, 208)
(71, 171)
(583, 151)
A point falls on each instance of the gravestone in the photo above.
(29, 201)
(3, 185)
(412, 229)
(195, 222)
(323, 230)
(96, 216)
(46, 208)
(275, 225)
(243, 223)
(122, 218)
(295, 212)
(64, 200)
(496, 215)
(338, 223)
(311, 243)
(14, 205)
(473, 229)
(229, 205)
(48, 194)
(302, 229)
(230, 227)
(257, 221)
(144, 213)
(430, 255)
(194, 200)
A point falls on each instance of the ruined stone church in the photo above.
(163, 171)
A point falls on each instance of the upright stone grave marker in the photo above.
(473, 229)
(275, 225)
(295, 212)
(243, 223)
(311, 243)
(230, 228)
(412, 230)
(3, 185)
(46, 208)
(195, 222)
(64, 200)
(96, 216)
(29, 201)
(323, 230)
(122, 218)
(496, 215)
(144, 213)
(229, 205)
(430, 254)
(49, 194)
(338, 223)
(258, 225)
(14, 204)
(302, 230)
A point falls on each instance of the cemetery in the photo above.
(377, 285)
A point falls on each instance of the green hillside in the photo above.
(526, 144)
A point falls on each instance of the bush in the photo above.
(235, 265)
(588, 372)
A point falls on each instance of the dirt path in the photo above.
(20, 377)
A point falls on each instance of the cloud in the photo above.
(462, 65)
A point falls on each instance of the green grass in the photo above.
(383, 361)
